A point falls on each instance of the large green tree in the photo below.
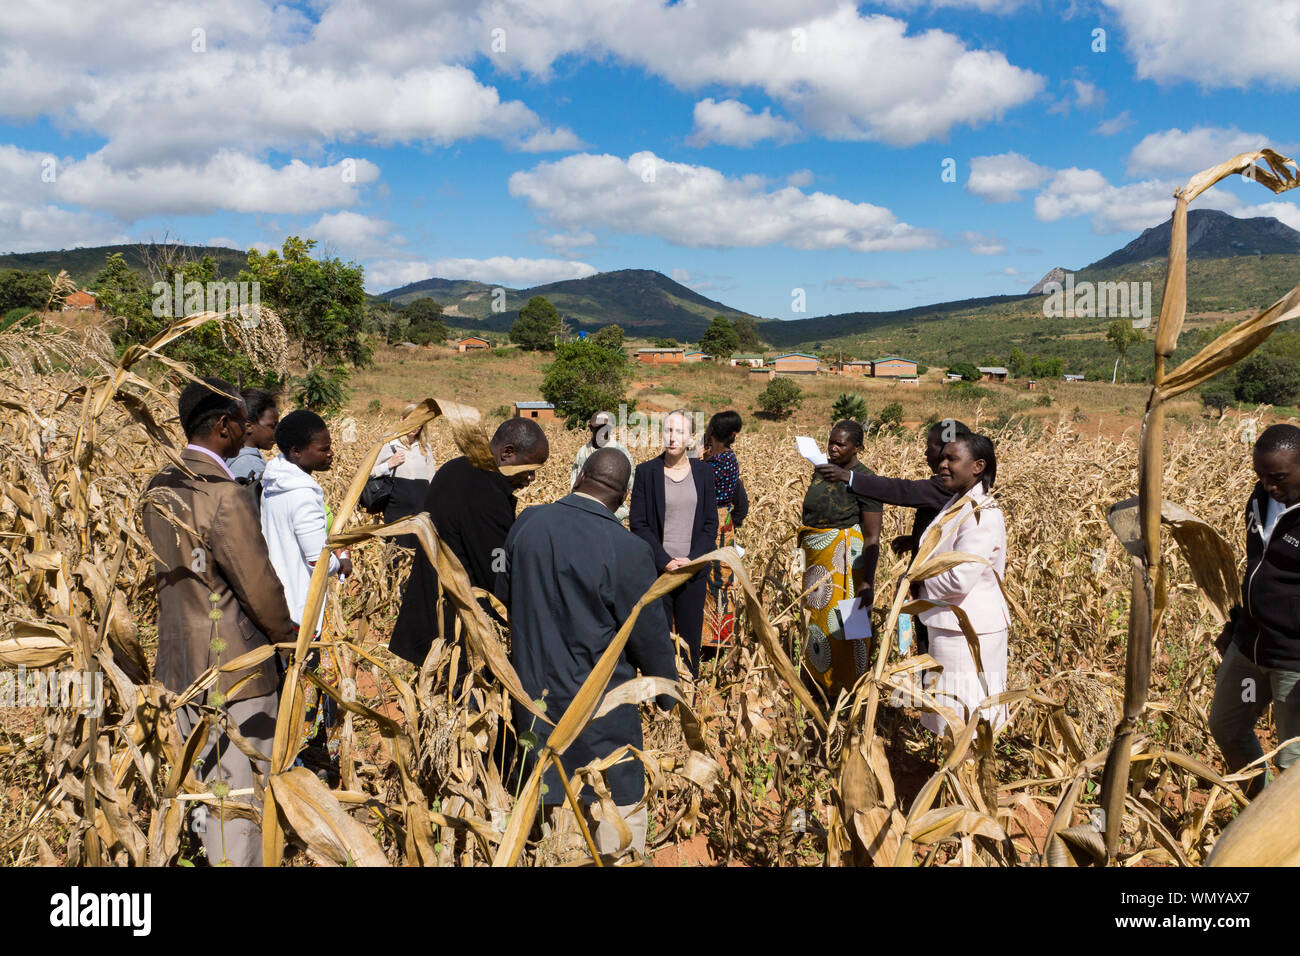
(1121, 334)
(586, 378)
(537, 326)
(425, 325)
(23, 290)
(780, 398)
(609, 336)
(720, 339)
(747, 332)
(1262, 379)
(322, 303)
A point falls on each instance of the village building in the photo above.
(746, 358)
(695, 355)
(859, 368)
(541, 411)
(471, 342)
(910, 381)
(992, 373)
(1031, 385)
(893, 366)
(79, 301)
(657, 356)
(952, 376)
(1073, 378)
(765, 372)
(795, 363)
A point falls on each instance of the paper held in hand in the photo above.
(856, 620)
(809, 449)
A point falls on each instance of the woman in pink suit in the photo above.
(972, 523)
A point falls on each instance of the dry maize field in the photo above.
(1107, 758)
(753, 768)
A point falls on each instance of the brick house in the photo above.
(795, 363)
(658, 356)
(541, 411)
(471, 342)
(893, 366)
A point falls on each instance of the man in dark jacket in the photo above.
(572, 575)
(472, 511)
(1262, 662)
(210, 559)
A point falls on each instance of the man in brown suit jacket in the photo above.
(209, 556)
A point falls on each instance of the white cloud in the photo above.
(983, 6)
(1212, 43)
(699, 206)
(551, 141)
(1175, 151)
(982, 245)
(222, 242)
(1116, 124)
(354, 235)
(840, 74)
(800, 178)
(732, 123)
(226, 180)
(506, 270)
(1287, 212)
(35, 227)
(564, 242)
(1128, 208)
(1001, 178)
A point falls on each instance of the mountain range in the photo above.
(1234, 264)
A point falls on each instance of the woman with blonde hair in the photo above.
(675, 510)
(409, 460)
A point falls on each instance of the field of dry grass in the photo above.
(757, 770)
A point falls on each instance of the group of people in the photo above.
(233, 570)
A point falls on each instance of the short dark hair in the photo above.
(257, 401)
(297, 429)
(853, 428)
(524, 433)
(724, 426)
(1278, 438)
(203, 403)
(981, 447)
(958, 429)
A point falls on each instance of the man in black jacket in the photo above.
(472, 510)
(1262, 662)
(572, 576)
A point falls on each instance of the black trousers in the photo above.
(684, 606)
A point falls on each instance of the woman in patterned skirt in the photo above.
(841, 545)
(720, 599)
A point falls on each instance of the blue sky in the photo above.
(748, 148)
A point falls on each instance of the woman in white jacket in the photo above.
(295, 523)
(972, 523)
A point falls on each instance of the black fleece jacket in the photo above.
(1268, 631)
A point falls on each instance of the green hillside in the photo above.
(985, 331)
(84, 264)
(641, 301)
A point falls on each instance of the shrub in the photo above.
(889, 419)
(374, 406)
(1267, 380)
(966, 370)
(780, 398)
(586, 378)
(850, 407)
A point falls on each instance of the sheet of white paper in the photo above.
(809, 449)
(740, 551)
(857, 620)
